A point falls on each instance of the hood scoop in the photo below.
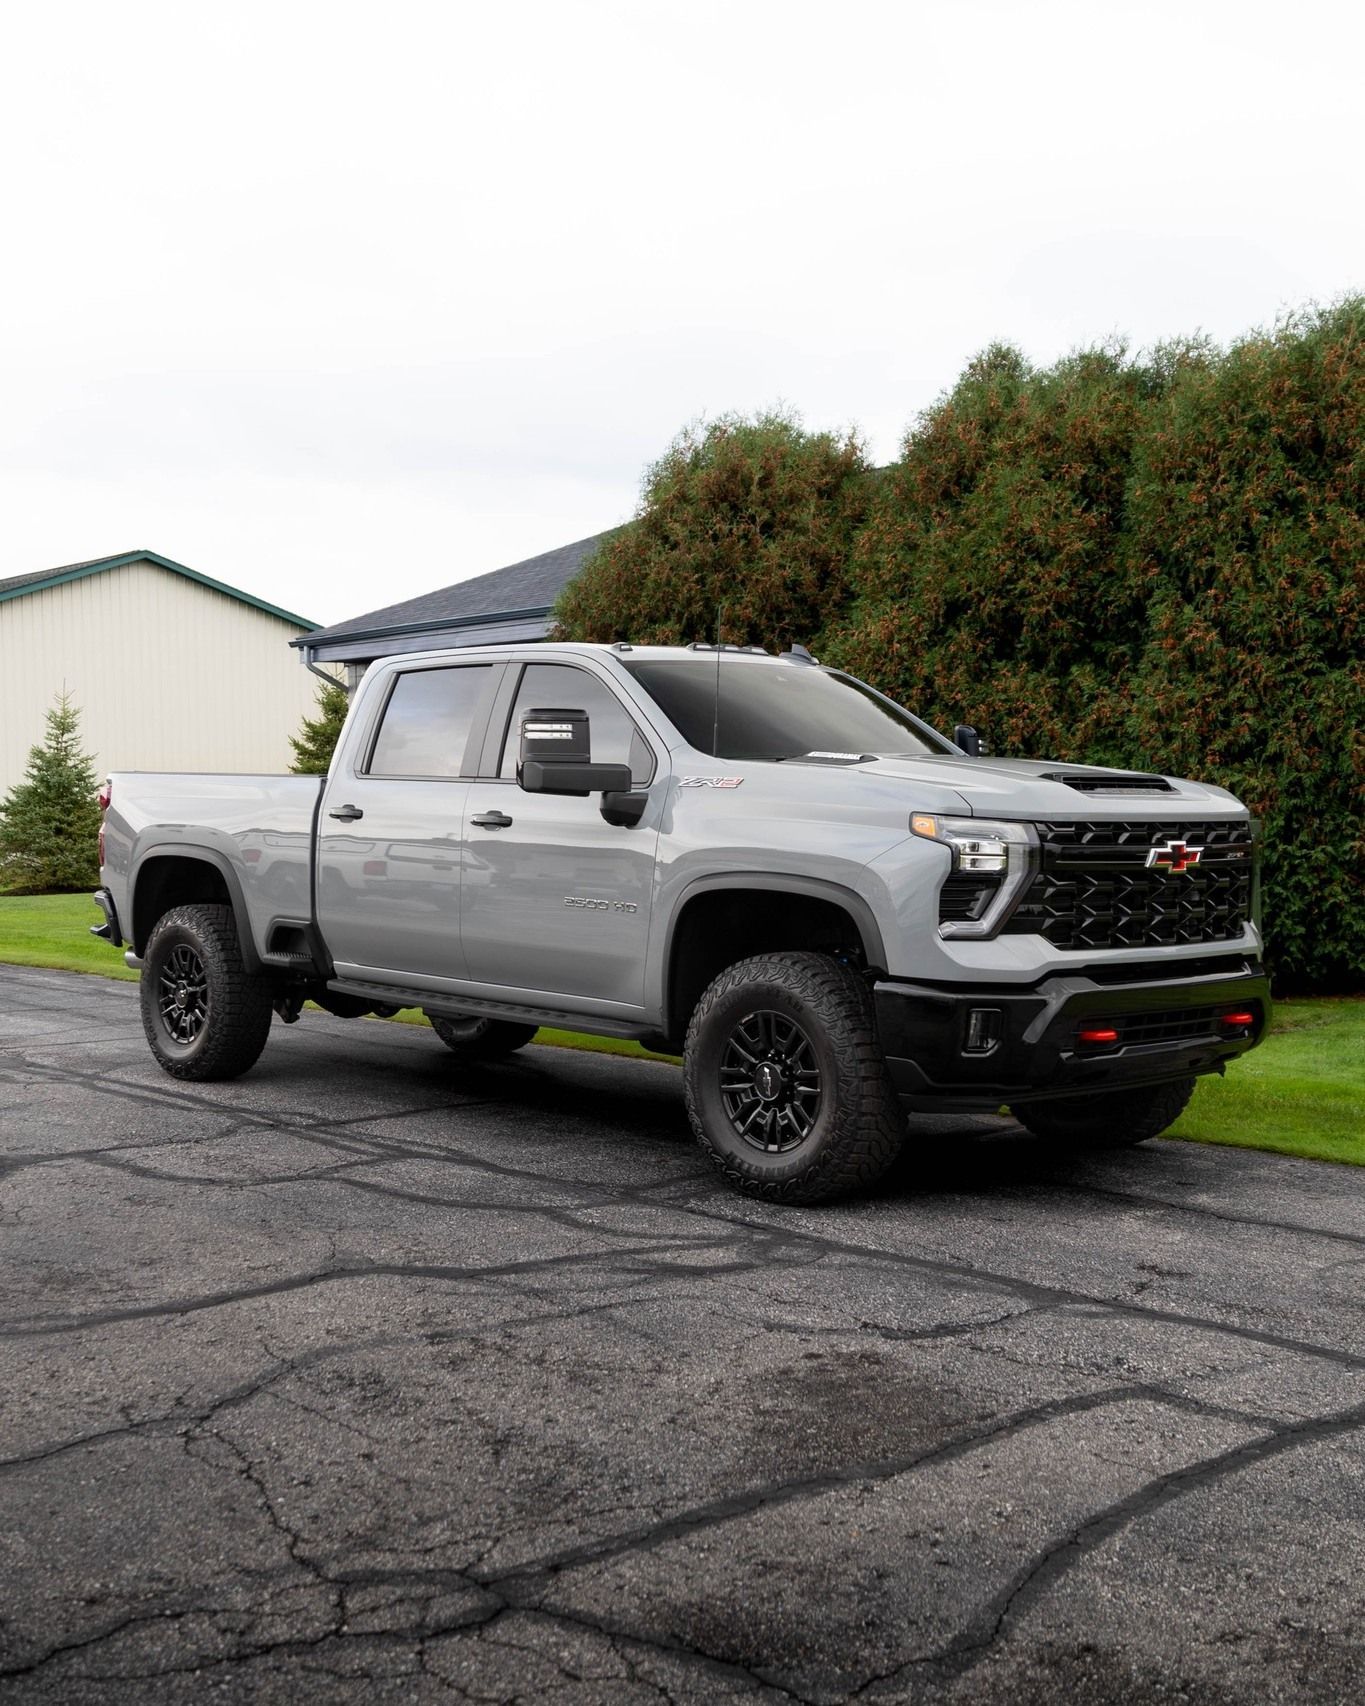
(1120, 782)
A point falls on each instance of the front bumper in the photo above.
(1029, 1046)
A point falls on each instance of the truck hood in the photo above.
(1044, 789)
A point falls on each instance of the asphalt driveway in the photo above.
(372, 1378)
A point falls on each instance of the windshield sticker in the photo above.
(710, 781)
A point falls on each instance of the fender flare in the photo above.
(203, 856)
(776, 882)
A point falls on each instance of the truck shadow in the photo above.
(976, 1155)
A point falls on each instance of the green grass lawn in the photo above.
(53, 930)
(1301, 1093)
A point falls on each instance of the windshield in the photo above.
(777, 711)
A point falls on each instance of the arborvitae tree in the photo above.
(317, 738)
(49, 822)
(754, 517)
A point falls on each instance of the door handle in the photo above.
(492, 820)
(346, 814)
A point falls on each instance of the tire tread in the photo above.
(240, 1010)
(873, 1128)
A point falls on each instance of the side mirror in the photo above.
(556, 756)
(965, 736)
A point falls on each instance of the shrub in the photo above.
(1247, 519)
(49, 822)
(991, 584)
(755, 516)
(316, 740)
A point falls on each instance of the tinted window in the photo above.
(615, 738)
(427, 722)
(778, 711)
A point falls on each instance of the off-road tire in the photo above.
(856, 1128)
(481, 1039)
(230, 1015)
(1107, 1119)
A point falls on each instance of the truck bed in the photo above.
(260, 827)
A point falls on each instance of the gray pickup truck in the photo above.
(831, 910)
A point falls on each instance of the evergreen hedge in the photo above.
(1157, 563)
(748, 522)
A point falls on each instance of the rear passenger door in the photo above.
(390, 837)
(556, 901)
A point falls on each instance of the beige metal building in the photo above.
(169, 669)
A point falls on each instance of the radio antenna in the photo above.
(715, 721)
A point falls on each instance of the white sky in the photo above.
(342, 303)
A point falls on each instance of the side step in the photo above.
(457, 1006)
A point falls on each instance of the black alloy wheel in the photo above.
(770, 1082)
(786, 1086)
(183, 994)
(206, 1016)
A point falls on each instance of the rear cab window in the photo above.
(427, 722)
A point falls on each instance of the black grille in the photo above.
(1095, 890)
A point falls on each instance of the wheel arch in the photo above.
(170, 874)
(724, 918)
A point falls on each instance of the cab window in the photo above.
(427, 722)
(615, 738)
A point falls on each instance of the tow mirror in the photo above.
(556, 756)
(965, 736)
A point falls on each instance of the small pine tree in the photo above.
(317, 738)
(49, 822)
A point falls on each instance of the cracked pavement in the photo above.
(370, 1377)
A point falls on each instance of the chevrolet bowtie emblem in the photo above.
(1174, 856)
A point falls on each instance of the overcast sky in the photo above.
(342, 303)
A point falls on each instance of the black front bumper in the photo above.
(1168, 1027)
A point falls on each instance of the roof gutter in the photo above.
(323, 636)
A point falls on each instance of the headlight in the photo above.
(1000, 853)
(977, 844)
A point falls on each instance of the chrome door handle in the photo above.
(492, 820)
(346, 814)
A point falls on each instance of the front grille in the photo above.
(1095, 891)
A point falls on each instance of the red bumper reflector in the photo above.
(1098, 1034)
(1238, 1019)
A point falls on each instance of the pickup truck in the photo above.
(833, 912)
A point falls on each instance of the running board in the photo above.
(460, 1006)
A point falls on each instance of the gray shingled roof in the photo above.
(532, 585)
